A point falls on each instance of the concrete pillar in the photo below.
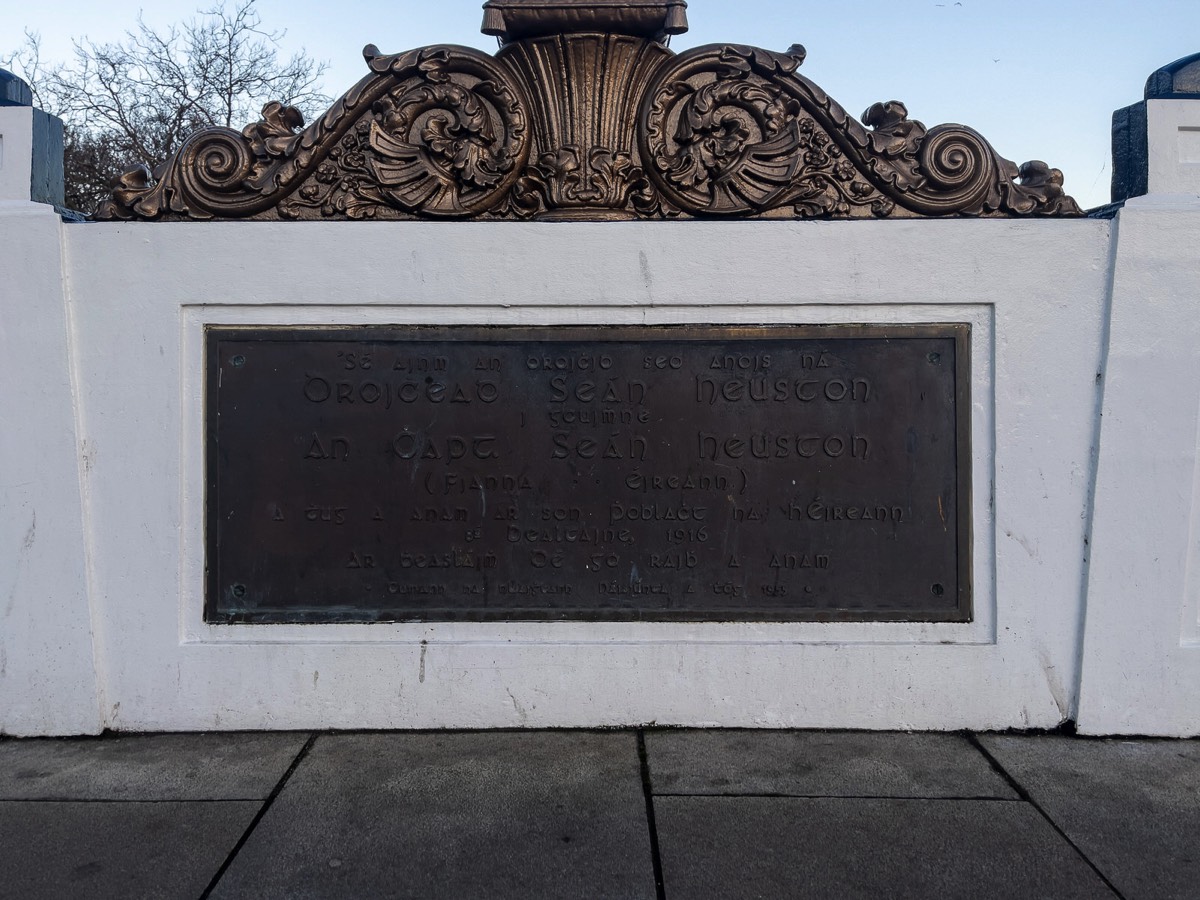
(1141, 654)
(48, 679)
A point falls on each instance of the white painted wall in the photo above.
(140, 295)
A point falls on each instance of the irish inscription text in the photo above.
(675, 473)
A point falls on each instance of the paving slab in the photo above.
(116, 850)
(533, 814)
(820, 764)
(147, 767)
(771, 847)
(1133, 807)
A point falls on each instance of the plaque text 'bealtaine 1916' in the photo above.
(780, 473)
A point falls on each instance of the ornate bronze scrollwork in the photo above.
(439, 132)
(738, 131)
(585, 113)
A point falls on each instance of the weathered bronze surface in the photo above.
(584, 113)
(698, 473)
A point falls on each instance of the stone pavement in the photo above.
(653, 814)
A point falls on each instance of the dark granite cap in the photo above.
(1178, 81)
(14, 91)
(512, 20)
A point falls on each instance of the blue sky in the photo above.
(1039, 80)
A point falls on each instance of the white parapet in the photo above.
(1086, 555)
(142, 294)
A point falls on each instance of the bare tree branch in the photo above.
(136, 100)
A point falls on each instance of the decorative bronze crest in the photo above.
(584, 113)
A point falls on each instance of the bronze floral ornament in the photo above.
(585, 113)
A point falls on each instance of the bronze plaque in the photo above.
(781, 473)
